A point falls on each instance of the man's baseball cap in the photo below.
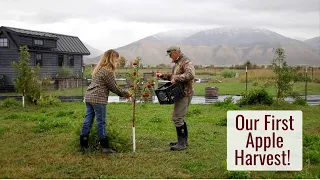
(172, 48)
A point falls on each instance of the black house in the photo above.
(51, 51)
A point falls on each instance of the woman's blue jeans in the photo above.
(95, 110)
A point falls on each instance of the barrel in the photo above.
(211, 92)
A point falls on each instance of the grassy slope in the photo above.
(41, 142)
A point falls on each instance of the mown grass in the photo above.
(42, 142)
(256, 78)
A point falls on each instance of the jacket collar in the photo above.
(179, 58)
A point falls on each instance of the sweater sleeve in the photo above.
(112, 85)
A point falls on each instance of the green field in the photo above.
(257, 78)
(41, 142)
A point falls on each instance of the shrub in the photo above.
(300, 101)
(256, 97)
(10, 102)
(226, 103)
(228, 74)
(48, 100)
(64, 72)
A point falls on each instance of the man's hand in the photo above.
(158, 75)
(173, 81)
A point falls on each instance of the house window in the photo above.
(38, 42)
(39, 59)
(4, 42)
(71, 61)
(60, 60)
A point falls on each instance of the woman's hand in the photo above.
(128, 96)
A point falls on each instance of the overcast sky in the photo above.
(105, 24)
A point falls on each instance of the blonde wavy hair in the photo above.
(109, 60)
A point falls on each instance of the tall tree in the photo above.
(27, 76)
(248, 64)
(122, 62)
(284, 74)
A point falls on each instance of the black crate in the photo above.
(169, 93)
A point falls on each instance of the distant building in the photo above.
(51, 51)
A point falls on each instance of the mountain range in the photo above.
(93, 52)
(221, 46)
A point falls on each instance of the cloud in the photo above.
(166, 11)
(300, 6)
(114, 23)
(48, 11)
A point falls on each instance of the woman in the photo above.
(96, 99)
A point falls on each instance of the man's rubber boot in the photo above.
(181, 144)
(84, 141)
(105, 148)
(186, 133)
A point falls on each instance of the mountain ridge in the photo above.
(221, 46)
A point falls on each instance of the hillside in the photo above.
(221, 46)
(314, 42)
(93, 52)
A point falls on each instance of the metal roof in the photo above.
(70, 44)
(65, 43)
(30, 32)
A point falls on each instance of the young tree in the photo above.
(139, 89)
(26, 82)
(284, 74)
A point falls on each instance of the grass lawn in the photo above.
(227, 86)
(41, 142)
(256, 78)
(233, 86)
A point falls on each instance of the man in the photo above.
(182, 71)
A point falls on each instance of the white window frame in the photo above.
(38, 42)
(4, 42)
